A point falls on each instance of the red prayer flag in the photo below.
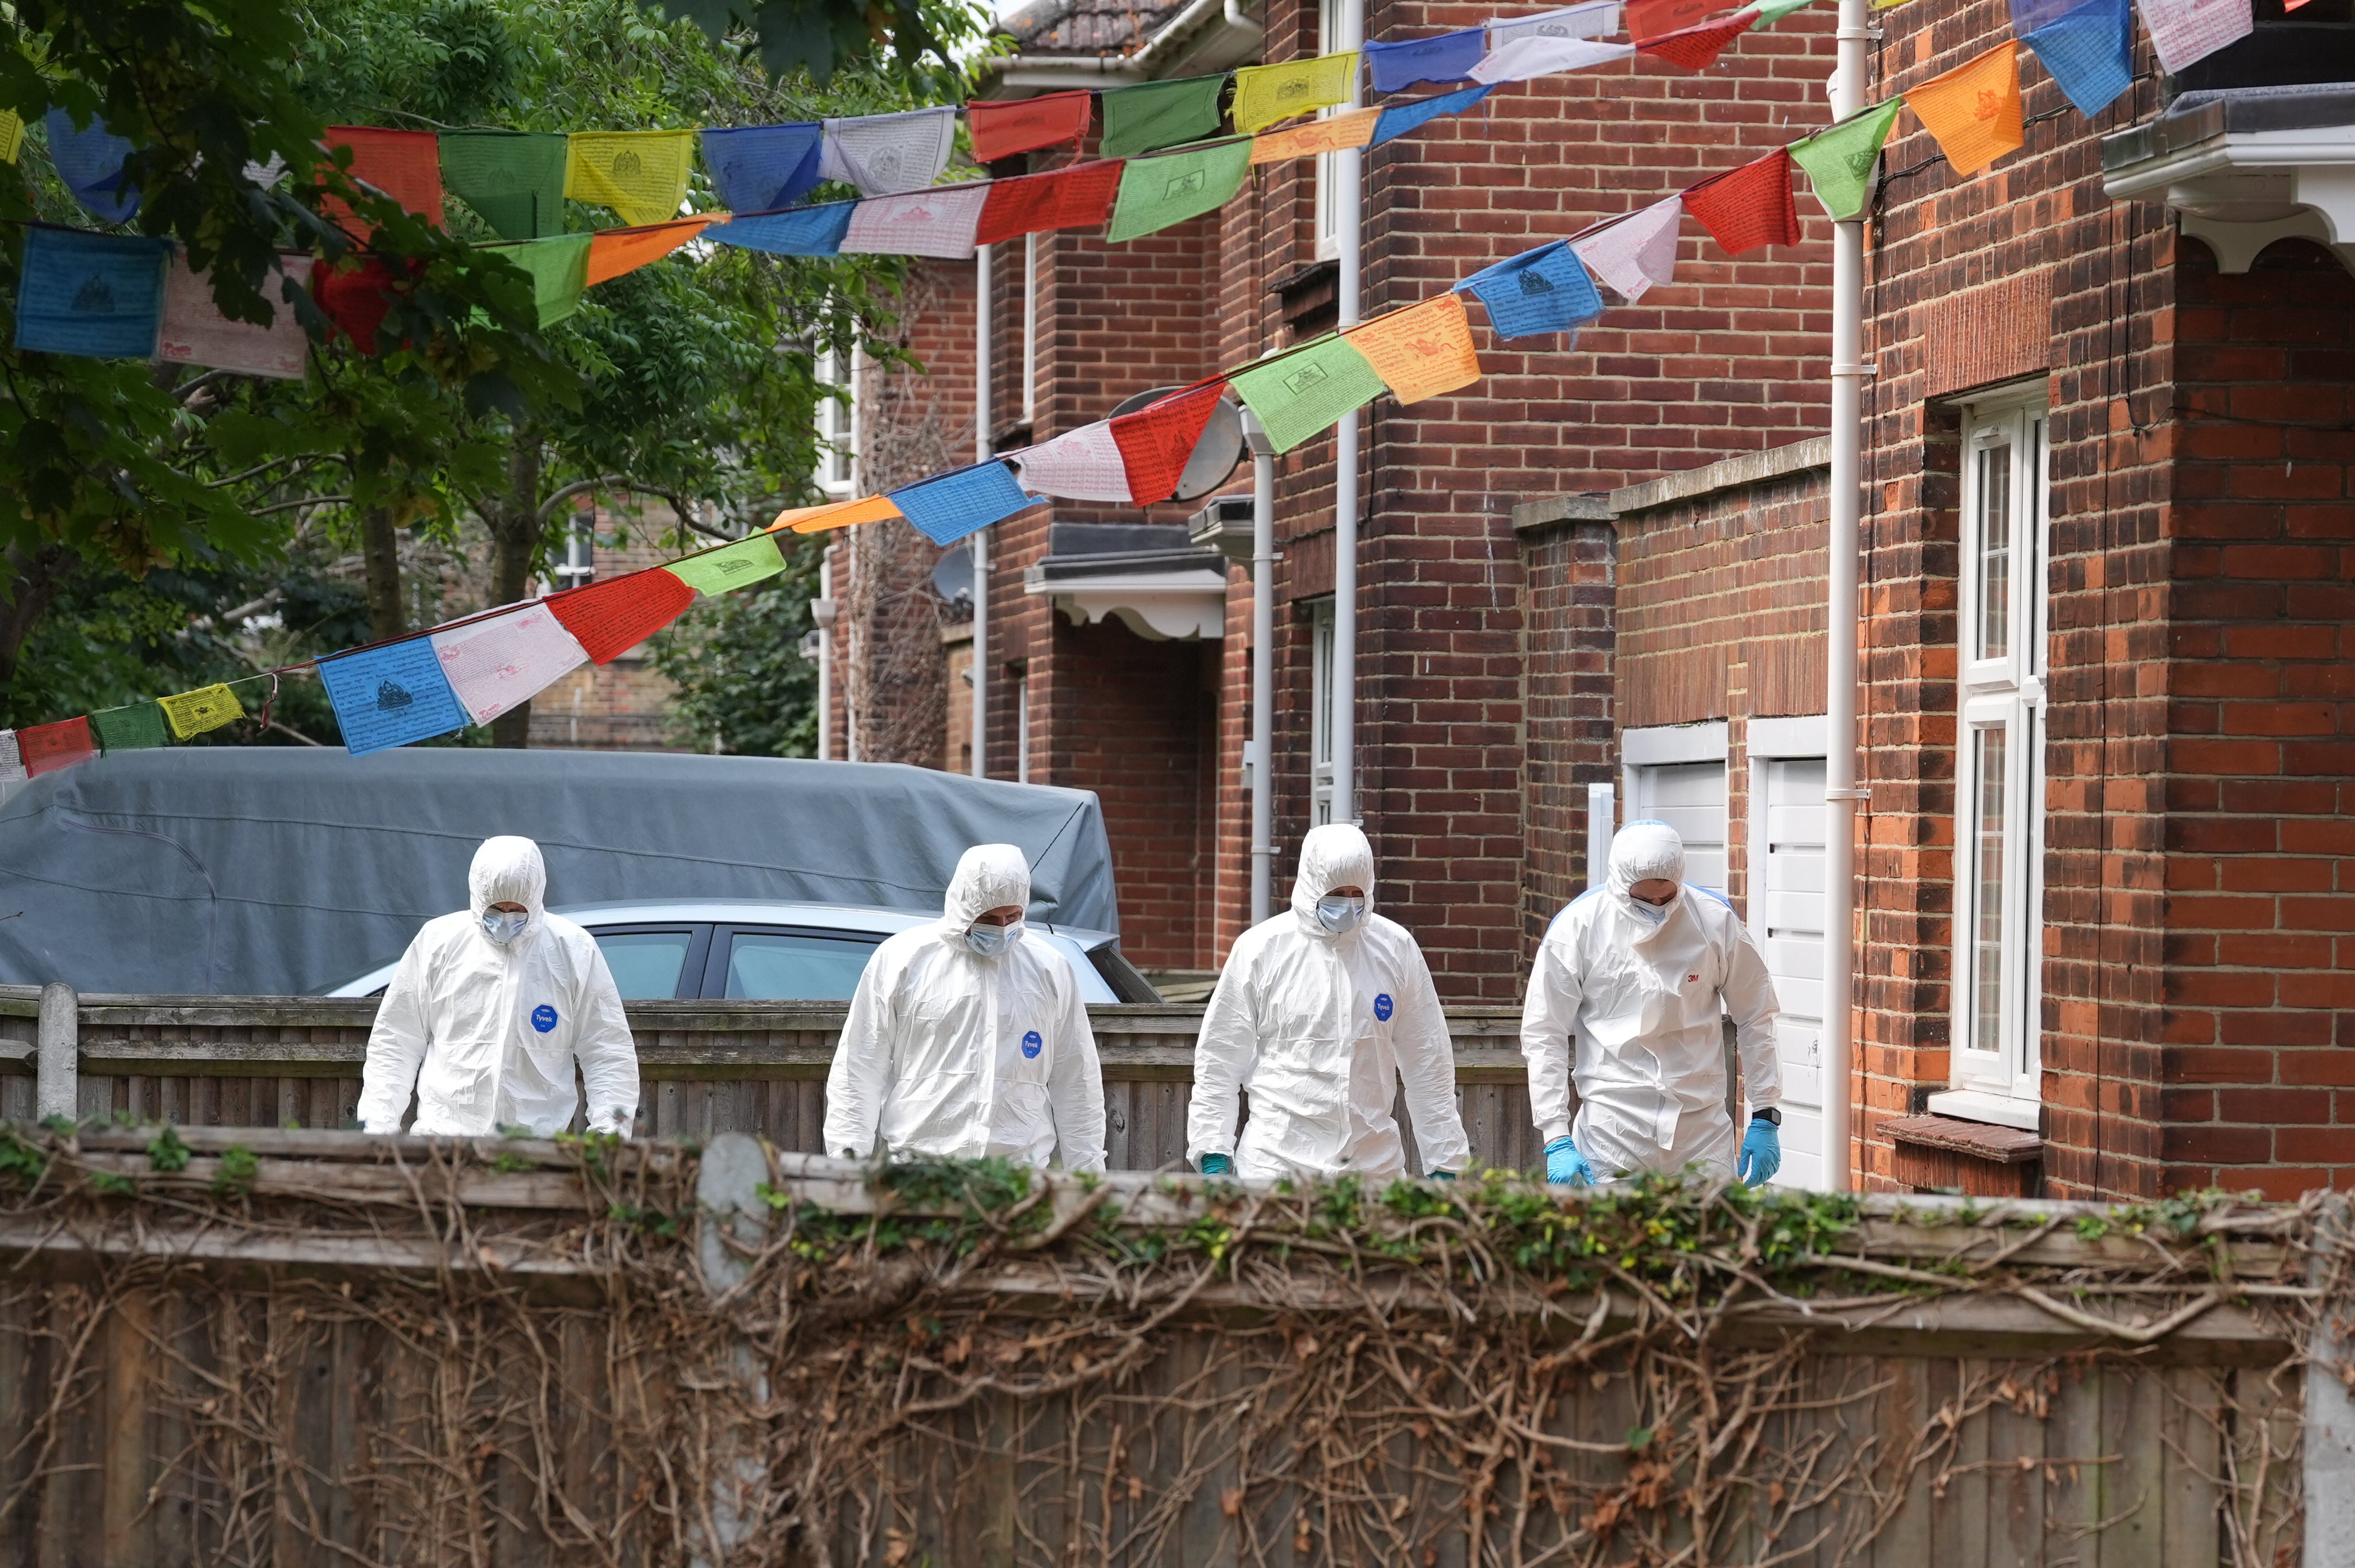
(1648, 19)
(1696, 48)
(1156, 440)
(1746, 208)
(1077, 198)
(404, 164)
(47, 747)
(357, 298)
(610, 618)
(1002, 130)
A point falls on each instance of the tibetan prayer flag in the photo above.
(2027, 15)
(1695, 47)
(641, 174)
(612, 617)
(763, 167)
(390, 695)
(1839, 160)
(558, 266)
(1084, 464)
(137, 727)
(405, 166)
(97, 295)
(1398, 119)
(1076, 197)
(1541, 291)
(614, 251)
(1598, 19)
(196, 332)
(1537, 55)
(1159, 114)
(735, 565)
(1158, 441)
(206, 708)
(1637, 251)
(1446, 58)
(1308, 390)
(1424, 350)
(12, 762)
(965, 501)
(1268, 93)
(2187, 31)
(357, 297)
(514, 179)
(1746, 208)
(1973, 111)
(1649, 20)
(90, 161)
(1158, 192)
(1772, 11)
(49, 747)
(12, 142)
(1354, 129)
(496, 664)
(835, 515)
(2090, 52)
(884, 154)
(804, 231)
(1024, 125)
(940, 222)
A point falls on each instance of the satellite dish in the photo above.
(953, 578)
(1215, 452)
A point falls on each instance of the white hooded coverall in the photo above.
(950, 1054)
(1644, 1002)
(1319, 1030)
(488, 1032)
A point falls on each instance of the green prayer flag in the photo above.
(1839, 161)
(135, 728)
(514, 178)
(1308, 390)
(1772, 11)
(1159, 114)
(730, 567)
(559, 272)
(1158, 192)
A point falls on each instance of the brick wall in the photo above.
(1569, 613)
(624, 705)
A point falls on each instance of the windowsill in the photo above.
(1978, 1104)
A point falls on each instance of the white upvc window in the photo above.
(837, 427)
(1999, 763)
(578, 568)
(1328, 188)
(1320, 712)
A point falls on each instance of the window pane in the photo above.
(646, 964)
(783, 966)
(1988, 894)
(1994, 552)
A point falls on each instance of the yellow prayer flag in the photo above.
(1354, 129)
(1420, 352)
(12, 135)
(1973, 109)
(207, 707)
(1266, 94)
(642, 175)
(835, 514)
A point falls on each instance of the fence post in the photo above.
(57, 1084)
(2329, 1445)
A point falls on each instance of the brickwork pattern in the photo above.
(1568, 676)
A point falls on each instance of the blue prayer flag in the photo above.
(100, 295)
(804, 231)
(1541, 291)
(390, 695)
(91, 164)
(1399, 119)
(946, 508)
(1450, 57)
(763, 167)
(2089, 52)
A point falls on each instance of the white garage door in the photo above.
(1786, 914)
(1690, 798)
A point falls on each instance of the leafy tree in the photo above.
(744, 684)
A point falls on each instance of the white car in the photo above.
(750, 950)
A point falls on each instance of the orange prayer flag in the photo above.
(614, 251)
(1420, 352)
(835, 514)
(403, 164)
(1974, 110)
(1354, 129)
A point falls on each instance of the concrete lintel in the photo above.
(1590, 507)
(1731, 473)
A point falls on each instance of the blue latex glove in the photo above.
(1216, 1165)
(1566, 1166)
(1443, 1175)
(1762, 1153)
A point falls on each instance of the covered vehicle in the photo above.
(253, 870)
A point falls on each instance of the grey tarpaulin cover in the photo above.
(270, 870)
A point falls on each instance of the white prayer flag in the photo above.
(496, 663)
(1539, 55)
(1598, 20)
(2184, 31)
(884, 154)
(1636, 252)
(196, 332)
(930, 223)
(1084, 464)
(12, 759)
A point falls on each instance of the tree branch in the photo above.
(582, 486)
(305, 501)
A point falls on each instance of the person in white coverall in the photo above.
(1318, 1016)
(489, 1011)
(967, 1039)
(1634, 977)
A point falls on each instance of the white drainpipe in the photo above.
(1349, 172)
(979, 541)
(1263, 672)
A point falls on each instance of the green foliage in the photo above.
(20, 1161)
(744, 683)
(113, 1185)
(165, 1152)
(237, 1172)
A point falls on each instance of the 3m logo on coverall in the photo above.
(1032, 1044)
(543, 1018)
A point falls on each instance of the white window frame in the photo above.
(837, 428)
(2001, 693)
(1328, 189)
(1320, 712)
(1022, 728)
(578, 568)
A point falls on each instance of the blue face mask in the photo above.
(1339, 915)
(503, 925)
(991, 940)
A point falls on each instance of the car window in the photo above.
(790, 966)
(646, 964)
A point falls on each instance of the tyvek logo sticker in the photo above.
(1383, 1008)
(1032, 1044)
(543, 1018)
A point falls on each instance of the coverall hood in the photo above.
(508, 870)
(987, 877)
(1335, 855)
(1643, 852)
